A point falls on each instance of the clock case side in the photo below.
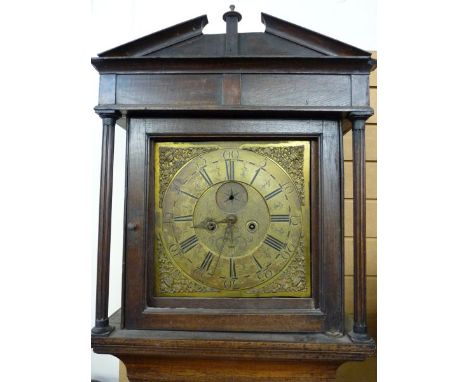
(322, 313)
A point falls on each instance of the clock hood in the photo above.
(281, 41)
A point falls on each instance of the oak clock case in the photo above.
(234, 205)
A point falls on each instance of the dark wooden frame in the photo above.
(277, 315)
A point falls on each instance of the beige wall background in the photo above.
(357, 371)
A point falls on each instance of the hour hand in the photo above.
(209, 224)
(205, 224)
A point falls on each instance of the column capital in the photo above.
(359, 115)
(108, 113)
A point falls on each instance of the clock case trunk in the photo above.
(322, 311)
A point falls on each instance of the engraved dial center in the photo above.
(231, 207)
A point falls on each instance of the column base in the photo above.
(360, 337)
(102, 328)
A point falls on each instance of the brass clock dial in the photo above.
(232, 219)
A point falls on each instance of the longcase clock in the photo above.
(233, 239)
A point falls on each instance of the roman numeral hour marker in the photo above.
(274, 243)
(229, 169)
(189, 243)
(273, 193)
(279, 218)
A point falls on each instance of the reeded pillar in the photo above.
(102, 327)
(359, 223)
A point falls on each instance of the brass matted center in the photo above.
(223, 227)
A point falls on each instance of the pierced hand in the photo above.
(227, 233)
(205, 224)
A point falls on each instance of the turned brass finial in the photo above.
(232, 7)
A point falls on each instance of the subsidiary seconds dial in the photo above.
(231, 219)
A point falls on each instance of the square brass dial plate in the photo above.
(232, 219)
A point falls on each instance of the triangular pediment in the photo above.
(159, 40)
(280, 39)
(312, 40)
